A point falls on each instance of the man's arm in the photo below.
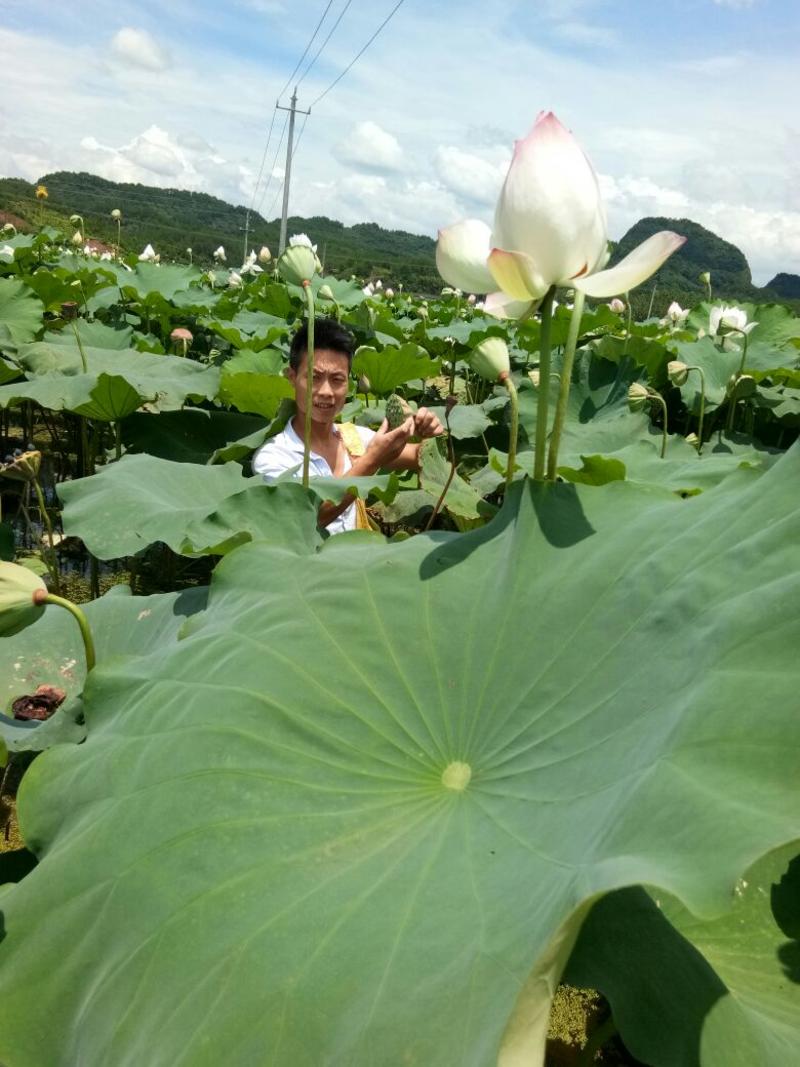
(426, 425)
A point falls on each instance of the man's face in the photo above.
(331, 377)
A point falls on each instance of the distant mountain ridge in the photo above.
(175, 219)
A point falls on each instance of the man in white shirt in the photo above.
(337, 450)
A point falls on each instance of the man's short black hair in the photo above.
(328, 333)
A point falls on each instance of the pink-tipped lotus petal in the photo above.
(516, 274)
(461, 254)
(634, 269)
(550, 206)
(501, 306)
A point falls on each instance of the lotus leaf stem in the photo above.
(452, 457)
(566, 381)
(80, 347)
(80, 618)
(309, 382)
(630, 324)
(657, 396)
(52, 564)
(511, 389)
(739, 373)
(544, 386)
(702, 405)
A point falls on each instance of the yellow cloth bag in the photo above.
(351, 439)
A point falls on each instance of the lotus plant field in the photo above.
(367, 800)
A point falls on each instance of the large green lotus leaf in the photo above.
(8, 370)
(51, 653)
(253, 393)
(283, 514)
(347, 294)
(393, 366)
(357, 813)
(718, 367)
(598, 420)
(93, 335)
(142, 499)
(691, 993)
(54, 392)
(191, 435)
(461, 499)
(466, 420)
(644, 352)
(249, 329)
(111, 399)
(171, 379)
(245, 360)
(166, 280)
(782, 401)
(20, 310)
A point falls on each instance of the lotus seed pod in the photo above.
(116, 213)
(490, 359)
(637, 396)
(397, 411)
(69, 310)
(18, 607)
(677, 371)
(297, 264)
(23, 467)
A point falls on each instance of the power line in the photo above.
(274, 162)
(258, 182)
(324, 43)
(358, 56)
(305, 51)
(294, 153)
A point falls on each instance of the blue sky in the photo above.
(685, 107)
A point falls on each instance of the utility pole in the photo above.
(288, 172)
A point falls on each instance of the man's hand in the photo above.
(426, 424)
(387, 445)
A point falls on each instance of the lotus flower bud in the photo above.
(297, 264)
(116, 214)
(326, 293)
(693, 440)
(422, 312)
(264, 256)
(378, 285)
(535, 376)
(471, 299)
(389, 293)
(77, 239)
(188, 251)
(617, 305)
(637, 396)
(41, 192)
(24, 467)
(75, 219)
(705, 277)
(234, 280)
(18, 589)
(490, 359)
(147, 255)
(677, 372)
(9, 227)
(219, 254)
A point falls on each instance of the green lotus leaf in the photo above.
(51, 652)
(692, 993)
(249, 329)
(111, 399)
(141, 499)
(191, 435)
(357, 814)
(346, 293)
(461, 499)
(20, 310)
(257, 394)
(165, 280)
(93, 335)
(466, 420)
(393, 366)
(245, 360)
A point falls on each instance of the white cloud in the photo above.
(138, 48)
(368, 145)
(737, 5)
(471, 176)
(586, 34)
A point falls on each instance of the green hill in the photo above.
(173, 220)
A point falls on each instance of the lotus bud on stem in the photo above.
(638, 397)
(705, 279)
(544, 387)
(42, 597)
(564, 386)
(678, 373)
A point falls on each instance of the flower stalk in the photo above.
(309, 381)
(511, 389)
(52, 559)
(42, 597)
(566, 381)
(544, 386)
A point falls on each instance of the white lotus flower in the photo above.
(302, 239)
(676, 315)
(549, 229)
(378, 284)
(722, 320)
(219, 254)
(368, 289)
(264, 256)
(7, 250)
(148, 255)
(617, 306)
(471, 298)
(250, 266)
(234, 280)
(106, 256)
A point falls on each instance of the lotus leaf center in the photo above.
(456, 776)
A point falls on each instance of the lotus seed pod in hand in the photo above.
(677, 372)
(397, 411)
(490, 359)
(18, 609)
